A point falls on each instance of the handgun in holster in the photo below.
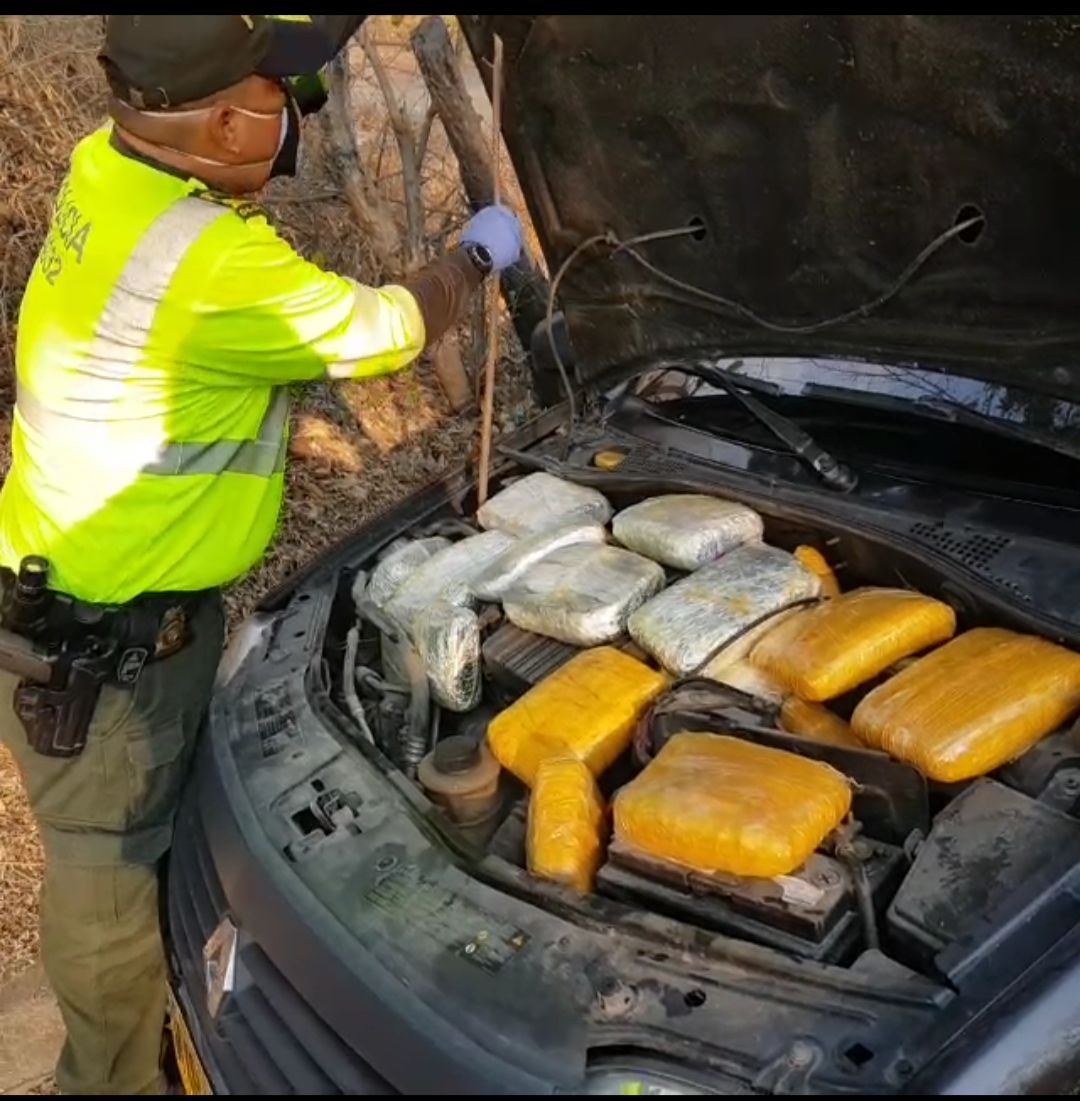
(63, 653)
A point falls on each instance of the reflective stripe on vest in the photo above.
(262, 456)
(120, 338)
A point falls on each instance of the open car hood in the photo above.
(819, 155)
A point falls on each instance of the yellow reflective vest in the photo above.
(160, 329)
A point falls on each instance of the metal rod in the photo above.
(493, 289)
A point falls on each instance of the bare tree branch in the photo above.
(383, 133)
(371, 212)
(407, 147)
(438, 65)
(425, 134)
(524, 287)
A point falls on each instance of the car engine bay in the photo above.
(695, 709)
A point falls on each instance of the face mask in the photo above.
(283, 162)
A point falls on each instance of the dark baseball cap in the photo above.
(157, 61)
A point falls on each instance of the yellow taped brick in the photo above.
(816, 563)
(565, 840)
(816, 722)
(829, 649)
(587, 708)
(718, 804)
(973, 705)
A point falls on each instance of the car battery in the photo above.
(812, 913)
(517, 660)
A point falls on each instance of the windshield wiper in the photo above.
(835, 474)
(957, 412)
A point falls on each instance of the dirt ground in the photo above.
(30, 1034)
(356, 447)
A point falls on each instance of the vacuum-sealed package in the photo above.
(689, 624)
(540, 502)
(829, 649)
(721, 805)
(447, 576)
(447, 638)
(399, 565)
(565, 832)
(973, 705)
(587, 708)
(582, 594)
(686, 530)
(527, 551)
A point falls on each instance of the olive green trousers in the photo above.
(106, 820)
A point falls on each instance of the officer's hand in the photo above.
(498, 230)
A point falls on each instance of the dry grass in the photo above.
(356, 447)
(50, 96)
(42, 1087)
(20, 873)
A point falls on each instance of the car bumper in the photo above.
(265, 1037)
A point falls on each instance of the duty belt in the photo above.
(64, 650)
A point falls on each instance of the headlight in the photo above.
(219, 965)
(626, 1081)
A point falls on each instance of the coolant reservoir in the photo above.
(462, 777)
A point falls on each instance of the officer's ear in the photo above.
(225, 128)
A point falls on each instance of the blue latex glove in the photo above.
(498, 230)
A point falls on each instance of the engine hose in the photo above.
(864, 895)
(369, 680)
(348, 679)
(412, 741)
(447, 527)
(367, 611)
(436, 722)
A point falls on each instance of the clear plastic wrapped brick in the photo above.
(399, 565)
(447, 576)
(527, 551)
(691, 623)
(582, 594)
(686, 530)
(447, 639)
(540, 502)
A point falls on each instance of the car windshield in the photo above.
(863, 382)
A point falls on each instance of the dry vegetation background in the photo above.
(356, 447)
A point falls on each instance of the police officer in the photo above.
(163, 322)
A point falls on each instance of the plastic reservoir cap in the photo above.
(455, 755)
(609, 460)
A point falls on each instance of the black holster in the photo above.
(63, 651)
(57, 719)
